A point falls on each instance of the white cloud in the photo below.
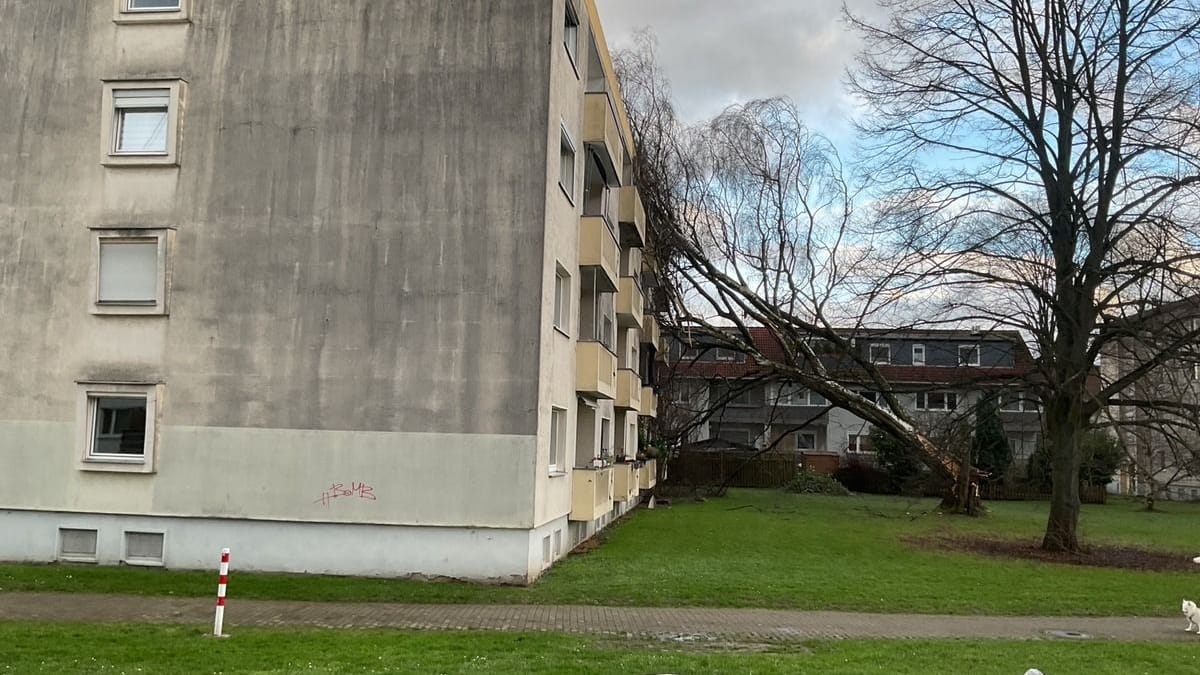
(717, 53)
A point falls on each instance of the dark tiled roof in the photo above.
(771, 348)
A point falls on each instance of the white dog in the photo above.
(1192, 612)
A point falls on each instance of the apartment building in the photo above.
(349, 288)
(939, 375)
(1154, 420)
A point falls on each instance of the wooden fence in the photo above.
(713, 468)
(1088, 494)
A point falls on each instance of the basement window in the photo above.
(76, 545)
(143, 548)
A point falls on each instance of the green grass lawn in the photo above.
(764, 549)
(71, 648)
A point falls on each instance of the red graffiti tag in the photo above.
(339, 490)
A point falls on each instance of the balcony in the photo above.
(626, 482)
(591, 493)
(629, 390)
(595, 370)
(651, 333)
(598, 250)
(602, 134)
(649, 403)
(632, 217)
(630, 304)
(648, 475)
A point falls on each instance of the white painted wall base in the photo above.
(479, 554)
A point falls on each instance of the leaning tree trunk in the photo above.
(1062, 528)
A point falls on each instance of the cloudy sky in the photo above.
(718, 52)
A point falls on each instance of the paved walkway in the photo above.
(692, 624)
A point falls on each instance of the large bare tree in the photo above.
(1038, 166)
(754, 224)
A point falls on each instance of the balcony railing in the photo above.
(630, 303)
(632, 218)
(648, 474)
(651, 333)
(591, 493)
(629, 390)
(626, 482)
(595, 370)
(598, 250)
(649, 403)
(602, 134)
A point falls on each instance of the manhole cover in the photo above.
(1069, 634)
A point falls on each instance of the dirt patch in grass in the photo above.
(1113, 557)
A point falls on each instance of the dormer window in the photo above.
(968, 355)
(881, 353)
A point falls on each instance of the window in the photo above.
(558, 436)
(605, 438)
(937, 400)
(566, 165)
(858, 443)
(76, 545)
(571, 35)
(546, 551)
(147, 11)
(131, 271)
(733, 435)
(117, 426)
(723, 354)
(874, 397)
(918, 355)
(881, 353)
(968, 355)
(141, 122)
(557, 543)
(562, 300)
(143, 548)
(1017, 401)
(806, 440)
(795, 395)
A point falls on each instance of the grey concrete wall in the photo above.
(360, 205)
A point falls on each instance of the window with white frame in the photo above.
(147, 11)
(566, 165)
(859, 443)
(558, 438)
(968, 355)
(562, 300)
(937, 400)
(806, 440)
(1018, 401)
(130, 271)
(117, 426)
(141, 122)
(881, 353)
(918, 355)
(571, 34)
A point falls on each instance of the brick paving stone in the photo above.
(698, 624)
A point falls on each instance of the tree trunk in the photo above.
(1063, 435)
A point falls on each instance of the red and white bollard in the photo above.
(221, 583)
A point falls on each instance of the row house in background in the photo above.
(351, 287)
(939, 375)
